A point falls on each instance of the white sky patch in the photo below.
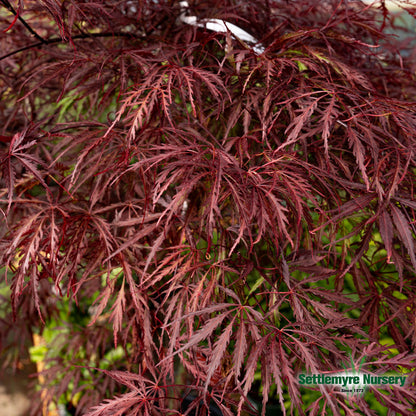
(219, 26)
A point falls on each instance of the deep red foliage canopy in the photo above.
(230, 216)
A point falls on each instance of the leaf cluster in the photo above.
(228, 218)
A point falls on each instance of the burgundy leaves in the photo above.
(227, 219)
(16, 158)
(166, 89)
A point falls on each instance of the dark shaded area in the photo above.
(196, 404)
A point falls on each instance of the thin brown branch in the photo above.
(58, 40)
(7, 4)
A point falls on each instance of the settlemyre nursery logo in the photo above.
(352, 382)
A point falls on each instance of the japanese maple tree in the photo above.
(186, 213)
